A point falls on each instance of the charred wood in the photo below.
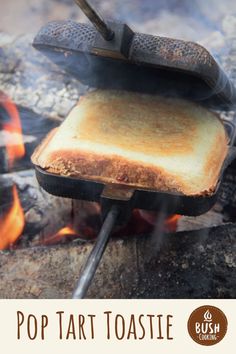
(44, 213)
(199, 264)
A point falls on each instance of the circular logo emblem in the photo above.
(207, 325)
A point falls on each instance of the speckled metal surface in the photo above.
(159, 54)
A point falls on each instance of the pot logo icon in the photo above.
(207, 325)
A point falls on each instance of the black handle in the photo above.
(96, 19)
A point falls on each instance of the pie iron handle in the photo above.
(121, 196)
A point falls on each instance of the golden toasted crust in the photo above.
(138, 140)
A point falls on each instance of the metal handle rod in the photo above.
(96, 19)
(95, 256)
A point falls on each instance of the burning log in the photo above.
(44, 214)
(15, 145)
(21, 131)
(35, 216)
(12, 224)
(131, 268)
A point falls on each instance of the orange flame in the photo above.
(15, 149)
(12, 224)
(138, 224)
(172, 222)
(64, 232)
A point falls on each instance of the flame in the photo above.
(12, 224)
(151, 217)
(64, 232)
(172, 222)
(141, 222)
(15, 148)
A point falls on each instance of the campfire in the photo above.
(51, 228)
(13, 133)
(12, 223)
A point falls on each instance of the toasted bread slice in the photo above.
(144, 141)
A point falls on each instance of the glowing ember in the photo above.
(62, 233)
(14, 146)
(141, 222)
(171, 223)
(12, 224)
